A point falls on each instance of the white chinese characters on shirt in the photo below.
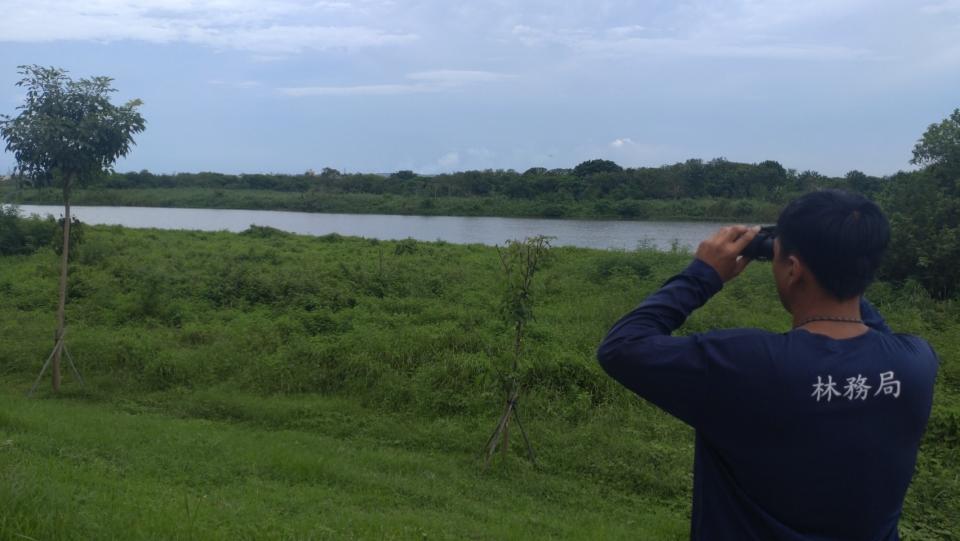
(857, 388)
(888, 385)
(825, 389)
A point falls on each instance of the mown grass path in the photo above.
(76, 468)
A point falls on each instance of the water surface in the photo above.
(455, 229)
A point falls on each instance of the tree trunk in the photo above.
(62, 305)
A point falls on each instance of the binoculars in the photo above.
(761, 247)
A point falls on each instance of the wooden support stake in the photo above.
(59, 347)
(502, 431)
(73, 366)
(56, 348)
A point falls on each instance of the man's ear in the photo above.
(795, 270)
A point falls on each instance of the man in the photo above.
(807, 434)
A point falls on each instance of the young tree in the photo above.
(520, 260)
(67, 133)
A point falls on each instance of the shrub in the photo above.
(264, 232)
(620, 263)
(925, 227)
(19, 236)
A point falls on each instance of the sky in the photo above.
(249, 86)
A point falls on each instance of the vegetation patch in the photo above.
(275, 385)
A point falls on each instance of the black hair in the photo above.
(840, 236)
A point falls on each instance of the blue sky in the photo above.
(443, 85)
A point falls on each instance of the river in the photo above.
(606, 234)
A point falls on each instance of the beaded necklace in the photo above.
(839, 319)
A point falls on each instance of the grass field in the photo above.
(215, 465)
(267, 385)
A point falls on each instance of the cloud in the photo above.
(775, 15)
(448, 160)
(423, 81)
(267, 58)
(236, 84)
(456, 77)
(685, 47)
(631, 153)
(472, 158)
(536, 37)
(356, 90)
(942, 7)
(444, 164)
(767, 29)
(480, 153)
(621, 31)
(268, 27)
(296, 39)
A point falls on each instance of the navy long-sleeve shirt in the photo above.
(798, 435)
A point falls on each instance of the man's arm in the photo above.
(666, 310)
(639, 352)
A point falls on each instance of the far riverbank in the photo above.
(700, 210)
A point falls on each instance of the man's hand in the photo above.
(722, 250)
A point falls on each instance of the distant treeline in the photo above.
(594, 179)
(923, 205)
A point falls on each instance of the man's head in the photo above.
(828, 240)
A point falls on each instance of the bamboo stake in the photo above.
(56, 348)
(73, 366)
